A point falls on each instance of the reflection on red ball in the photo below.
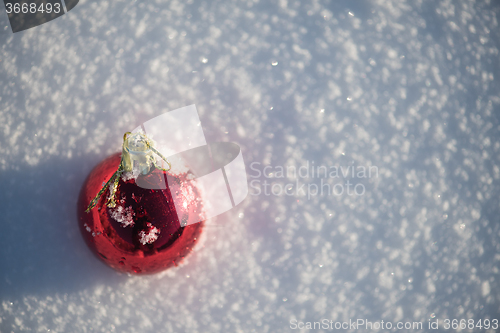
(142, 234)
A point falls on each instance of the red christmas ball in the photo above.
(142, 234)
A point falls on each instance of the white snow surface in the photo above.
(410, 88)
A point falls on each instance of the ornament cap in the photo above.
(136, 153)
(137, 158)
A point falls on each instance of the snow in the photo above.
(150, 236)
(408, 87)
(125, 216)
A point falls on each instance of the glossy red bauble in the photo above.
(142, 234)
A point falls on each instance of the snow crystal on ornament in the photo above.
(126, 176)
(150, 236)
(123, 216)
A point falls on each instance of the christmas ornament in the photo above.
(136, 215)
(142, 213)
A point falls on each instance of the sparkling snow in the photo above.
(410, 87)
